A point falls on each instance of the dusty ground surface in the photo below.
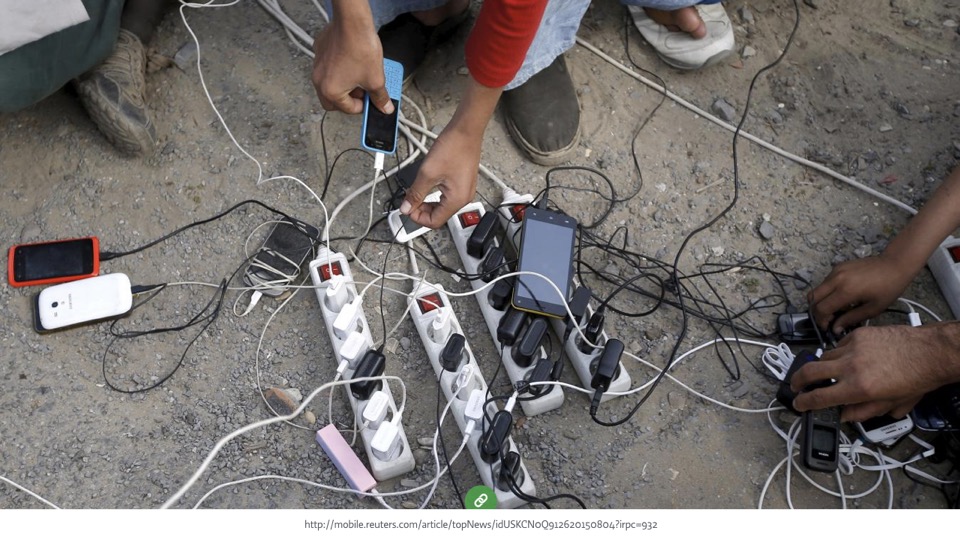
(867, 88)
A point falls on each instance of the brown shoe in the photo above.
(543, 115)
(113, 95)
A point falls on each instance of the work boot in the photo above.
(113, 95)
(543, 115)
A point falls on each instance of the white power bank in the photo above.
(83, 301)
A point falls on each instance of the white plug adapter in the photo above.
(353, 348)
(376, 409)
(386, 442)
(346, 320)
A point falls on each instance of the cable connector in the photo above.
(914, 319)
(592, 332)
(440, 326)
(473, 411)
(378, 163)
(254, 300)
(336, 294)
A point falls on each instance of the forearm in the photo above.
(946, 341)
(475, 110)
(939, 217)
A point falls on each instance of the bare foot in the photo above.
(682, 20)
(433, 17)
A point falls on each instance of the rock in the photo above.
(950, 23)
(863, 251)
(775, 117)
(571, 434)
(186, 56)
(463, 71)
(673, 474)
(717, 250)
(748, 51)
(677, 400)
(408, 483)
(310, 418)
(766, 230)
(294, 394)
(912, 23)
(408, 505)
(746, 16)
(404, 343)
(426, 442)
(885, 128)
(901, 109)
(391, 345)
(810, 3)
(280, 401)
(724, 110)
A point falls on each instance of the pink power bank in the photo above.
(345, 459)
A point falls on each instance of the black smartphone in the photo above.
(279, 259)
(46, 263)
(546, 247)
(380, 130)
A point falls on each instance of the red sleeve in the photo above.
(500, 39)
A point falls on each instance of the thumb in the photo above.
(381, 99)
(852, 317)
(415, 194)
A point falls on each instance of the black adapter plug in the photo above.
(492, 441)
(540, 373)
(492, 265)
(452, 354)
(499, 295)
(592, 332)
(511, 324)
(482, 235)
(511, 474)
(606, 370)
(371, 365)
(786, 395)
(526, 348)
(578, 306)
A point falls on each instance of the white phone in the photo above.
(83, 301)
(885, 429)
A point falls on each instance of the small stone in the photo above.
(408, 483)
(391, 345)
(294, 394)
(426, 442)
(405, 343)
(901, 109)
(717, 250)
(677, 400)
(950, 23)
(409, 505)
(863, 251)
(746, 16)
(724, 110)
(775, 117)
(571, 434)
(766, 230)
(885, 128)
(748, 51)
(673, 474)
(912, 23)
(463, 71)
(310, 418)
(186, 56)
(280, 401)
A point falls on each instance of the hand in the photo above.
(451, 166)
(348, 60)
(878, 370)
(868, 285)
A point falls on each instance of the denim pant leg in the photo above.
(385, 11)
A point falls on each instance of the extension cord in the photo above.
(427, 296)
(945, 265)
(547, 401)
(319, 270)
(510, 213)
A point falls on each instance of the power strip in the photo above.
(351, 347)
(510, 213)
(945, 265)
(461, 225)
(436, 321)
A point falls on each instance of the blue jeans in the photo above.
(557, 32)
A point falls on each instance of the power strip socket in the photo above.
(461, 225)
(323, 270)
(425, 309)
(510, 213)
(945, 265)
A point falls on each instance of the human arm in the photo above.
(495, 51)
(349, 60)
(881, 369)
(873, 283)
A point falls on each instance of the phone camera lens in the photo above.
(55, 304)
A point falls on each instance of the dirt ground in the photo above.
(867, 88)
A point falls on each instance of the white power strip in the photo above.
(352, 346)
(945, 265)
(511, 218)
(425, 311)
(461, 225)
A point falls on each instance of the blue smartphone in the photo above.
(380, 130)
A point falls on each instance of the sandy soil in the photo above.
(867, 88)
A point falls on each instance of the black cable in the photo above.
(707, 225)
(443, 446)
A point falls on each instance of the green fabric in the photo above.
(34, 71)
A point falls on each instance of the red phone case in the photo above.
(10, 269)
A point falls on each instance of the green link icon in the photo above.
(480, 497)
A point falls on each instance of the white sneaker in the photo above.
(680, 49)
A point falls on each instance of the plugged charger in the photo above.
(499, 295)
(492, 265)
(372, 365)
(386, 443)
(492, 441)
(511, 324)
(347, 320)
(592, 332)
(606, 371)
(482, 235)
(337, 294)
(376, 409)
(526, 348)
(440, 326)
(511, 474)
(352, 349)
(452, 354)
(578, 306)
(542, 372)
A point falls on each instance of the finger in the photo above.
(813, 372)
(429, 215)
(852, 317)
(825, 309)
(864, 411)
(348, 104)
(381, 99)
(413, 198)
(821, 398)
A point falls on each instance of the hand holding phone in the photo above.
(379, 129)
(60, 261)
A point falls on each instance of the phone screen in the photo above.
(381, 129)
(547, 248)
(283, 251)
(53, 260)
